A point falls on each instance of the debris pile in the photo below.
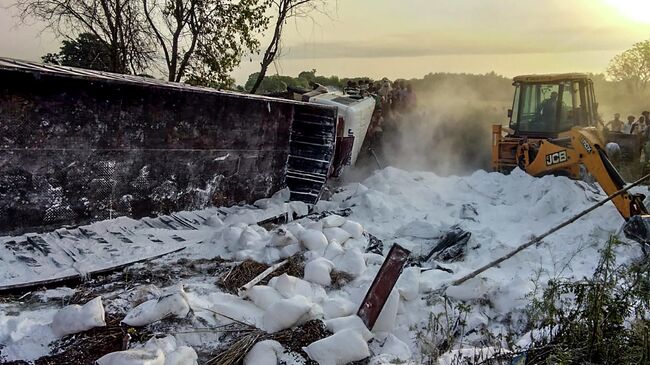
(291, 292)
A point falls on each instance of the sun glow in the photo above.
(636, 10)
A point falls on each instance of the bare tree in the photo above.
(118, 23)
(284, 9)
(632, 66)
(206, 35)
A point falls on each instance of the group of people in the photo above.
(392, 101)
(637, 126)
(389, 96)
(634, 125)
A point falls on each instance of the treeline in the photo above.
(461, 88)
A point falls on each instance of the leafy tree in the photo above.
(117, 23)
(87, 51)
(206, 38)
(284, 9)
(632, 66)
(201, 40)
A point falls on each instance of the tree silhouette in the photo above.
(632, 66)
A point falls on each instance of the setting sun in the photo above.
(637, 10)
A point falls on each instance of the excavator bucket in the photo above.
(638, 228)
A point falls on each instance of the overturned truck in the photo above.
(78, 146)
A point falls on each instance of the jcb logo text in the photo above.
(556, 158)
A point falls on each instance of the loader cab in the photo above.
(546, 105)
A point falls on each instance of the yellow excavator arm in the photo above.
(565, 154)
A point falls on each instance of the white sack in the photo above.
(133, 357)
(338, 307)
(263, 296)
(318, 271)
(333, 220)
(336, 234)
(353, 228)
(408, 284)
(352, 322)
(339, 349)
(183, 355)
(289, 286)
(282, 237)
(351, 262)
(156, 309)
(76, 318)
(264, 353)
(386, 320)
(313, 240)
(285, 313)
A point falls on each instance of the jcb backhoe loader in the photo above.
(554, 130)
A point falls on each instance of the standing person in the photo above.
(645, 139)
(402, 93)
(396, 101)
(615, 125)
(411, 99)
(630, 125)
(640, 126)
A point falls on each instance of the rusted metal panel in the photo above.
(382, 285)
(78, 146)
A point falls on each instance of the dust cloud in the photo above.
(448, 132)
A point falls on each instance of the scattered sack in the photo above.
(313, 240)
(246, 217)
(174, 354)
(386, 320)
(289, 286)
(295, 228)
(290, 250)
(214, 221)
(263, 296)
(285, 313)
(298, 208)
(395, 351)
(338, 307)
(143, 293)
(352, 262)
(317, 226)
(154, 310)
(264, 353)
(183, 355)
(76, 318)
(318, 271)
(282, 237)
(352, 322)
(333, 250)
(336, 234)
(250, 239)
(341, 348)
(167, 344)
(408, 284)
(353, 228)
(133, 357)
(230, 236)
(333, 220)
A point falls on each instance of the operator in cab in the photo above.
(547, 110)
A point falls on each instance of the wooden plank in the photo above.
(382, 285)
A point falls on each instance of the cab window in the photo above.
(569, 110)
(538, 112)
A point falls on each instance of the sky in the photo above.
(411, 38)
